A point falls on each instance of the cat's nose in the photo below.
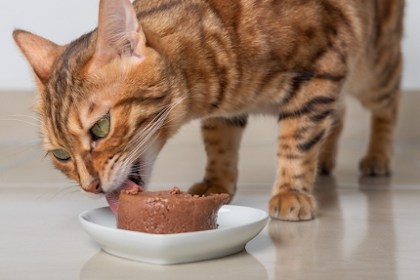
(94, 187)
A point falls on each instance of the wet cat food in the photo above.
(164, 212)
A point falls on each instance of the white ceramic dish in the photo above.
(237, 226)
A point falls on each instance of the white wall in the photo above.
(63, 21)
(411, 45)
(58, 20)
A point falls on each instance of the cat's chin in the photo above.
(112, 197)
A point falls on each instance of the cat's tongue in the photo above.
(112, 198)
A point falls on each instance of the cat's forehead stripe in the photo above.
(91, 107)
(77, 121)
(62, 91)
(52, 139)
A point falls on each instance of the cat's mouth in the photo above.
(135, 174)
(134, 180)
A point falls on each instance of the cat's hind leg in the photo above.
(382, 99)
(381, 95)
(221, 138)
(377, 161)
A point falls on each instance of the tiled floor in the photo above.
(367, 228)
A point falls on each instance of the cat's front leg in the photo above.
(221, 138)
(302, 130)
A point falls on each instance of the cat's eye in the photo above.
(101, 128)
(61, 154)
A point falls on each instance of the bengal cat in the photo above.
(110, 100)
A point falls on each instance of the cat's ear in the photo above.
(119, 33)
(39, 52)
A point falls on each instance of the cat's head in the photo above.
(106, 102)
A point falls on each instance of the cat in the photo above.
(110, 100)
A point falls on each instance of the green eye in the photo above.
(101, 128)
(61, 154)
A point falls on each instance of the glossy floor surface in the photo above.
(367, 228)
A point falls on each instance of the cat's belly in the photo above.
(256, 109)
(266, 109)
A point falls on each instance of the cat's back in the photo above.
(219, 42)
(287, 29)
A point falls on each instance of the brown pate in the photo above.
(164, 212)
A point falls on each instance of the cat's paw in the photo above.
(206, 188)
(376, 165)
(292, 206)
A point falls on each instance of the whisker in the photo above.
(64, 189)
(141, 167)
(20, 115)
(70, 193)
(145, 138)
(11, 149)
(39, 197)
(82, 195)
(22, 121)
(133, 156)
(149, 132)
(153, 126)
